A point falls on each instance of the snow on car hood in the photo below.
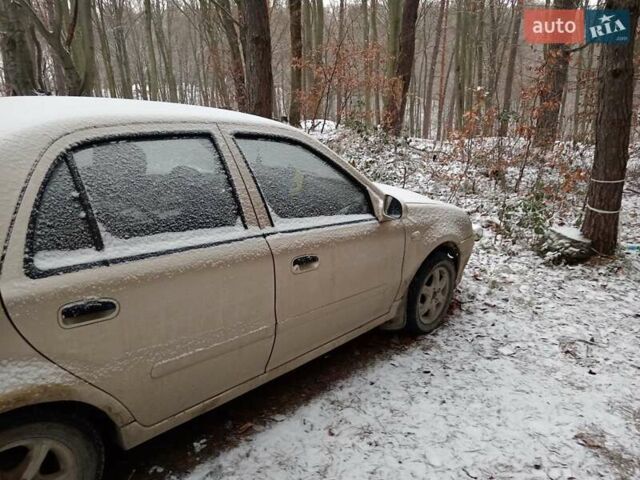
(406, 196)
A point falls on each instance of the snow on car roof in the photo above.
(30, 125)
(20, 113)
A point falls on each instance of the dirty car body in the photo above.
(159, 260)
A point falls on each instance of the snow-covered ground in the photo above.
(536, 373)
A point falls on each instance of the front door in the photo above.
(337, 267)
(143, 271)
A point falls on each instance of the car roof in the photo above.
(29, 125)
(38, 112)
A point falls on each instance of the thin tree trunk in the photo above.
(393, 35)
(553, 83)
(105, 50)
(17, 56)
(444, 79)
(85, 44)
(122, 58)
(367, 62)
(376, 60)
(613, 129)
(338, 61)
(167, 57)
(428, 100)
(153, 65)
(307, 46)
(255, 14)
(295, 14)
(508, 86)
(237, 69)
(397, 100)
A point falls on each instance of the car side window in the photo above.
(297, 184)
(60, 223)
(146, 196)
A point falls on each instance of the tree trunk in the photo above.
(17, 56)
(258, 57)
(613, 129)
(318, 32)
(338, 61)
(165, 52)
(237, 69)
(553, 83)
(153, 65)
(444, 78)
(458, 92)
(367, 62)
(511, 67)
(307, 46)
(85, 45)
(376, 60)
(428, 100)
(397, 99)
(493, 71)
(122, 58)
(295, 14)
(393, 33)
(106, 52)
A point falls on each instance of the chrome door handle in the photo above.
(304, 263)
(87, 311)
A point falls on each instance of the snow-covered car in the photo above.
(159, 260)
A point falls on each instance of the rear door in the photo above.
(337, 267)
(137, 264)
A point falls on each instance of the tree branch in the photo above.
(49, 36)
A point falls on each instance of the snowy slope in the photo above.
(536, 373)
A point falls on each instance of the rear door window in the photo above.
(143, 197)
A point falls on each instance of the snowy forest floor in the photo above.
(535, 374)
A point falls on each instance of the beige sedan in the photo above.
(159, 260)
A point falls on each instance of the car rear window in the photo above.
(142, 196)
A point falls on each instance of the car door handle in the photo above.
(305, 263)
(88, 311)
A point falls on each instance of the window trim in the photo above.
(291, 141)
(66, 156)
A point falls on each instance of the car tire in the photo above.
(430, 294)
(38, 446)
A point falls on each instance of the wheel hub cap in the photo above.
(37, 459)
(433, 295)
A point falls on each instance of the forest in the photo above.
(535, 372)
(433, 69)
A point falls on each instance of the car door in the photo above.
(337, 267)
(136, 264)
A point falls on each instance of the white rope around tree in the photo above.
(597, 210)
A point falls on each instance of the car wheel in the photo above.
(38, 449)
(430, 294)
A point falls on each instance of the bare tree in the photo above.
(397, 97)
(255, 15)
(237, 69)
(72, 46)
(555, 72)
(511, 68)
(17, 54)
(428, 100)
(295, 14)
(153, 65)
(613, 129)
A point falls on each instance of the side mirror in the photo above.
(392, 208)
